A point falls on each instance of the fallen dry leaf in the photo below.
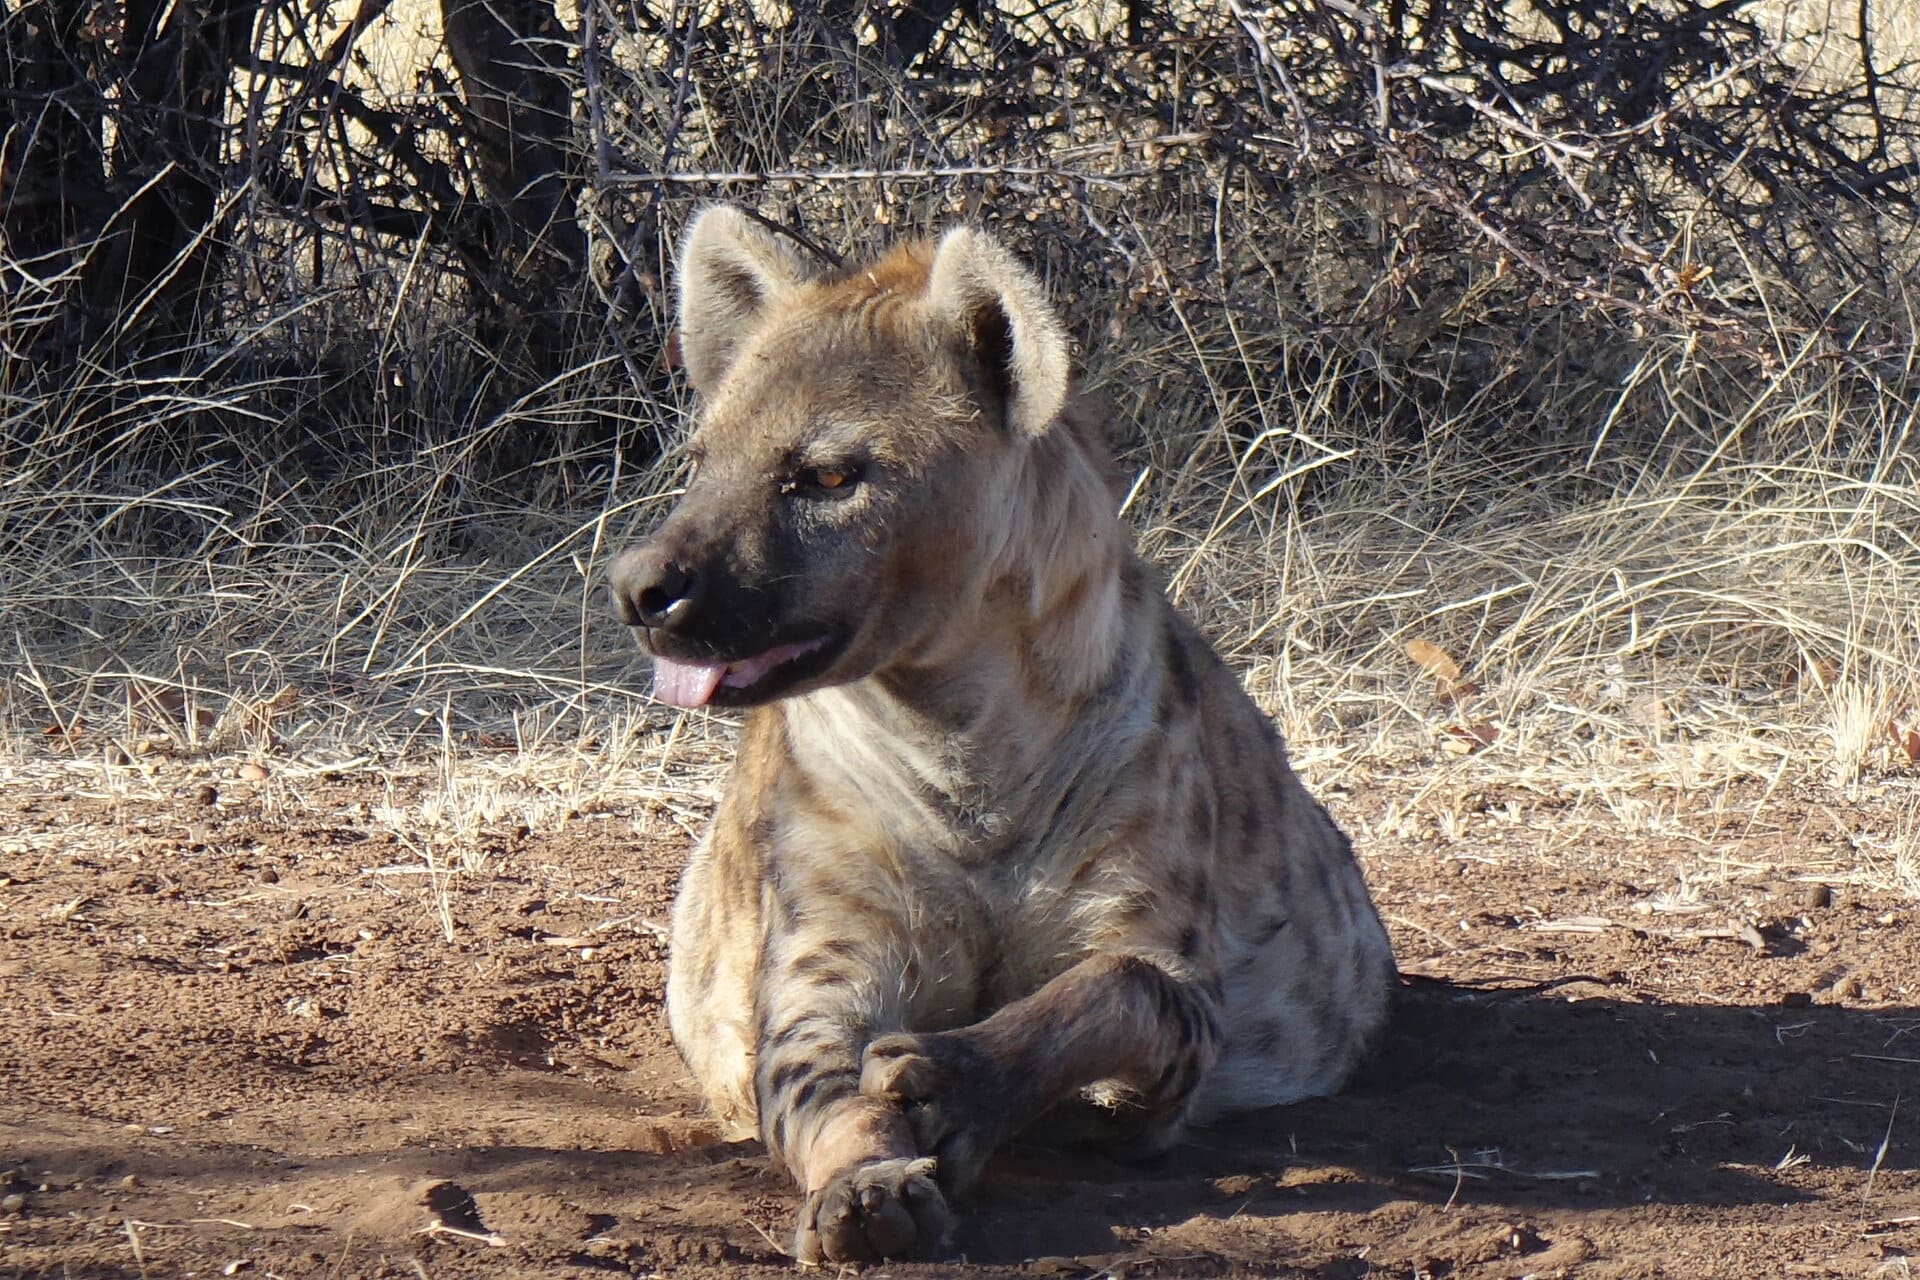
(1449, 688)
(1463, 739)
(1905, 732)
(1433, 660)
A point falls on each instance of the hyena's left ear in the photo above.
(1002, 314)
(731, 270)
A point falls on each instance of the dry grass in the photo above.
(1676, 631)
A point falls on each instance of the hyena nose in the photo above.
(670, 598)
(654, 591)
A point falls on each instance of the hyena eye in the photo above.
(825, 482)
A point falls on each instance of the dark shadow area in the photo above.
(1532, 1098)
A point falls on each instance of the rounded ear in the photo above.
(1002, 315)
(731, 270)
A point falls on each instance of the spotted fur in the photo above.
(1007, 843)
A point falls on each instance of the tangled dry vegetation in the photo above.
(1526, 402)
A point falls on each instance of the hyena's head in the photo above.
(865, 462)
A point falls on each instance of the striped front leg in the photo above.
(869, 1193)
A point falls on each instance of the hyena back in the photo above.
(1004, 837)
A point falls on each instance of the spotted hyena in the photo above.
(1005, 839)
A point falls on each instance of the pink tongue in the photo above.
(746, 672)
(680, 683)
(686, 684)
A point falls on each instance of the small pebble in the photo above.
(129, 1182)
(1817, 897)
(1847, 988)
(252, 772)
(13, 1204)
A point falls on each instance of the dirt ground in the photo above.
(236, 1038)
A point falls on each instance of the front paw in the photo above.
(953, 1095)
(886, 1209)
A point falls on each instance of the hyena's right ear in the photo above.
(731, 270)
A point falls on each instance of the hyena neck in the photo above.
(1059, 574)
(942, 759)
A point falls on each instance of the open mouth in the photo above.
(681, 682)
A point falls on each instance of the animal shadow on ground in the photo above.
(1554, 1096)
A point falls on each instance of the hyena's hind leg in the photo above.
(1123, 1022)
(1309, 982)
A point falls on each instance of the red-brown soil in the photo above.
(235, 1039)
